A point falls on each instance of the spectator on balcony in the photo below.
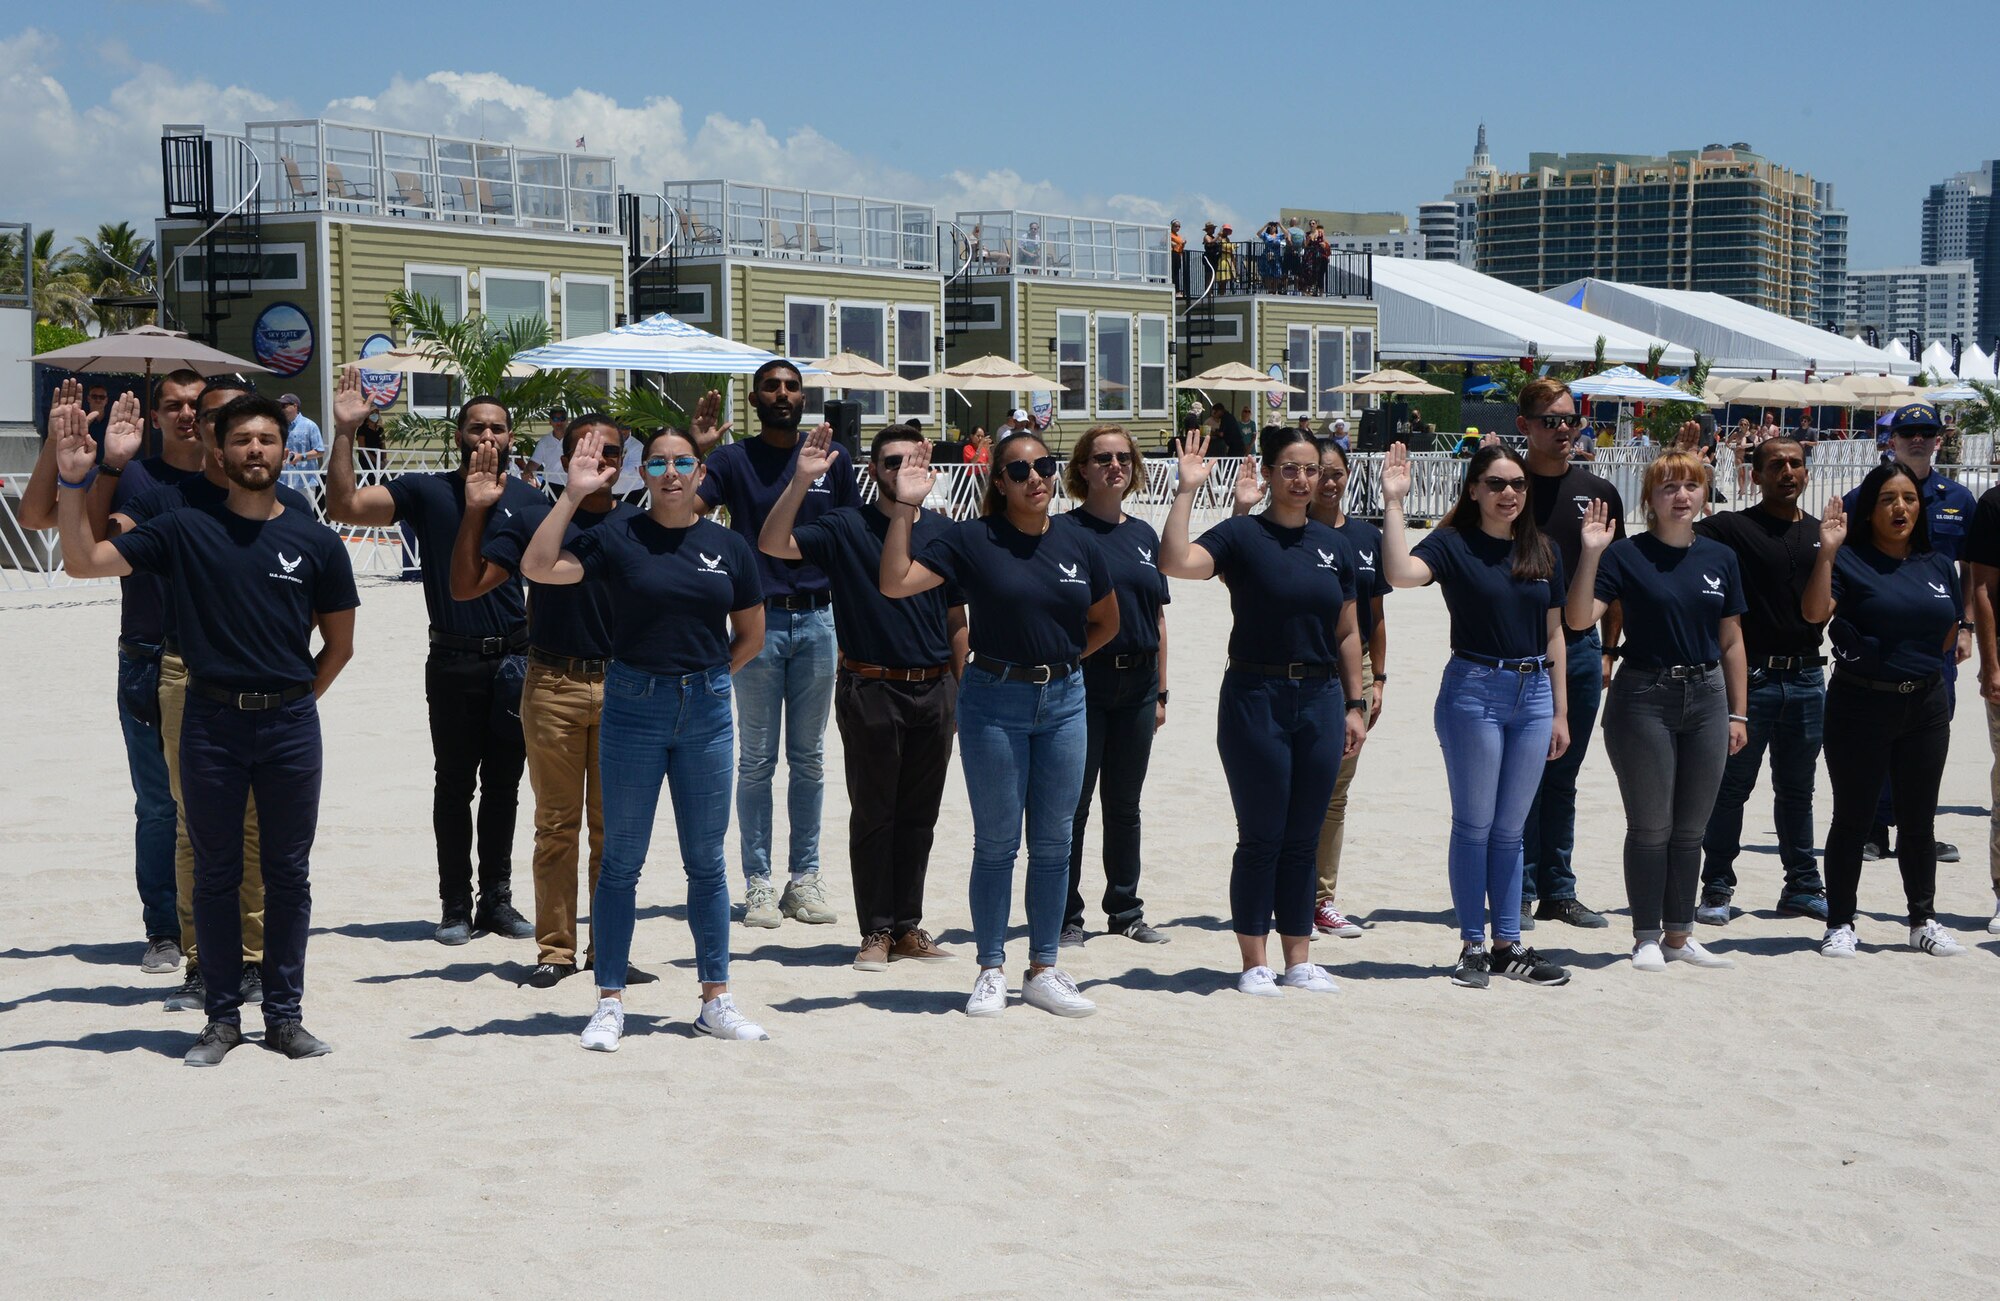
(1225, 270)
(1271, 256)
(1177, 242)
(1295, 249)
(1030, 247)
(1318, 254)
(1211, 249)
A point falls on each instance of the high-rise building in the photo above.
(1958, 224)
(1722, 218)
(1385, 234)
(1450, 226)
(1830, 259)
(1437, 223)
(1933, 302)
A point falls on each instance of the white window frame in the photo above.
(434, 411)
(982, 314)
(489, 274)
(1234, 334)
(1123, 411)
(601, 378)
(815, 403)
(706, 314)
(927, 362)
(1165, 364)
(1082, 396)
(1364, 402)
(881, 306)
(1341, 400)
(285, 282)
(1299, 404)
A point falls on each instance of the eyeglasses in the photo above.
(1560, 420)
(1495, 483)
(657, 465)
(1045, 466)
(1298, 470)
(1106, 458)
(891, 464)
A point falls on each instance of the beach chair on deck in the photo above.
(302, 189)
(409, 192)
(775, 238)
(697, 231)
(339, 187)
(490, 203)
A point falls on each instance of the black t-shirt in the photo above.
(906, 633)
(1026, 597)
(1675, 597)
(671, 590)
(142, 614)
(1982, 540)
(572, 619)
(1775, 558)
(1365, 540)
(1559, 502)
(1492, 612)
(1286, 587)
(433, 506)
(749, 477)
(1891, 617)
(197, 492)
(1130, 548)
(245, 591)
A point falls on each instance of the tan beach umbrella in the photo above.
(991, 374)
(1774, 392)
(410, 361)
(850, 370)
(1234, 376)
(1831, 395)
(147, 350)
(1723, 391)
(1877, 392)
(1392, 382)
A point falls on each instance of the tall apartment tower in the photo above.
(1958, 225)
(1451, 225)
(1830, 259)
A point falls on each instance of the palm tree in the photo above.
(1981, 416)
(62, 295)
(111, 266)
(479, 351)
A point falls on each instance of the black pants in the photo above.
(1181, 273)
(896, 739)
(475, 710)
(228, 754)
(1119, 708)
(1870, 734)
(1281, 743)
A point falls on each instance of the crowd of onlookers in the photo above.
(1287, 256)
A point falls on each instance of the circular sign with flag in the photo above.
(1276, 399)
(1042, 406)
(382, 387)
(282, 339)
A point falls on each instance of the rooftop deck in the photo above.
(1014, 242)
(731, 218)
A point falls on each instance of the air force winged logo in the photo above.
(1714, 584)
(290, 565)
(1145, 557)
(1069, 575)
(1939, 590)
(1368, 559)
(1326, 558)
(710, 561)
(1068, 569)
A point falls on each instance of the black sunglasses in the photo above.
(1106, 458)
(1495, 483)
(1045, 466)
(1559, 420)
(892, 463)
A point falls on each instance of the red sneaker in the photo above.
(1329, 920)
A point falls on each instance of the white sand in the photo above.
(1792, 1127)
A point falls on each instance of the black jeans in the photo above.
(1119, 708)
(1281, 744)
(1667, 739)
(475, 712)
(1787, 716)
(895, 738)
(1870, 734)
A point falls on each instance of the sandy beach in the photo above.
(1793, 1127)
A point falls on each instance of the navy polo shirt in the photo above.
(905, 633)
(748, 477)
(1891, 617)
(570, 619)
(245, 591)
(142, 613)
(1370, 582)
(1286, 587)
(1948, 510)
(1131, 551)
(433, 505)
(198, 492)
(1492, 612)
(1026, 597)
(671, 590)
(1675, 597)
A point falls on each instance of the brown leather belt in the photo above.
(881, 674)
(567, 664)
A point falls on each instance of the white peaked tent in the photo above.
(1624, 384)
(1896, 350)
(1973, 363)
(1937, 363)
(1733, 336)
(1443, 311)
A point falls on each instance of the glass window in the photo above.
(864, 332)
(1332, 370)
(805, 338)
(1364, 361)
(434, 395)
(509, 297)
(586, 309)
(1114, 365)
(1298, 362)
(1073, 361)
(1152, 365)
(915, 338)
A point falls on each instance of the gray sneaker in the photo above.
(760, 904)
(192, 996)
(162, 956)
(805, 901)
(1713, 914)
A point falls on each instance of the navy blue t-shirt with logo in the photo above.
(893, 633)
(245, 591)
(1492, 612)
(1131, 552)
(198, 492)
(142, 612)
(572, 619)
(1026, 597)
(671, 590)
(433, 505)
(1675, 597)
(1948, 510)
(1286, 587)
(748, 477)
(1891, 617)
(1369, 580)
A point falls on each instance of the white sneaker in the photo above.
(989, 993)
(1646, 956)
(1308, 975)
(1052, 991)
(1934, 939)
(1261, 981)
(1694, 955)
(1839, 942)
(719, 1019)
(760, 904)
(1993, 927)
(607, 1026)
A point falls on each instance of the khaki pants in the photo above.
(559, 722)
(173, 705)
(1330, 832)
(1993, 824)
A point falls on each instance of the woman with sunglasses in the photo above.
(687, 611)
(1039, 600)
(1500, 713)
(1124, 683)
(1291, 708)
(1675, 712)
(1895, 603)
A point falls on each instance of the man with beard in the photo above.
(472, 681)
(790, 683)
(249, 582)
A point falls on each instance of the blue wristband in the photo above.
(88, 479)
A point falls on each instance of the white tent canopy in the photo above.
(1624, 384)
(1443, 311)
(1973, 363)
(1937, 363)
(1896, 350)
(1733, 336)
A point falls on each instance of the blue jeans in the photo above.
(791, 680)
(676, 730)
(1494, 726)
(1550, 833)
(1022, 748)
(1280, 743)
(1787, 712)
(155, 825)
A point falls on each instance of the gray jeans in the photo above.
(1668, 739)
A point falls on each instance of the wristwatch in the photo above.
(1965, 625)
(1361, 705)
(1163, 695)
(106, 467)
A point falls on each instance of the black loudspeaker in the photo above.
(1372, 438)
(845, 417)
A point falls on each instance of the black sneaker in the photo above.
(192, 996)
(1572, 912)
(1471, 971)
(1876, 847)
(162, 956)
(1518, 962)
(456, 928)
(1803, 904)
(1143, 933)
(295, 1041)
(1947, 852)
(633, 975)
(214, 1043)
(547, 975)
(252, 987)
(1071, 938)
(500, 917)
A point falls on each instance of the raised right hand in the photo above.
(587, 471)
(915, 477)
(1395, 474)
(484, 479)
(815, 454)
(1833, 525)
(76, 450)
(1193, 461)
(350, 405)
(703, 429)
(1249, 486)
(1597, 530)
(124, 431)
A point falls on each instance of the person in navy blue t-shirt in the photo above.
(249, 583)
(687, 612)
(1675, 712)
(1039, 600)
(1894, 603)
(472, 680)
(1291, 708)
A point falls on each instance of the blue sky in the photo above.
(1144, 111)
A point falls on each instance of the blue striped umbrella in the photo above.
(660, 343)
(1625, 384)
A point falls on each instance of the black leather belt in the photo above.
(491, 647)
(882, 673)
(1785, 662)
(1676, 672)
(137, 650)
(1134, 660)
(569, 664)
(250, 700)
(1909, 687)
(1293, 672)
(799, 601)
(1039, 674)
(1538, 664)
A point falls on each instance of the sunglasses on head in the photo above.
(1500, 483)
(1560, 420)
(657, 465)
(1106, 458)
(1018, 471)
